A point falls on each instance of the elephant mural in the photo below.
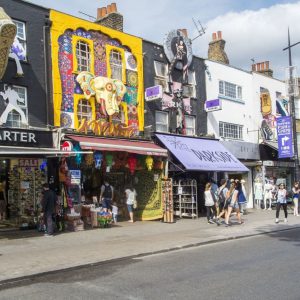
(108, 92)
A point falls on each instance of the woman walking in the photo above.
(210, 203)
(281, 201)
(222, 192)
(296, 191)
(233, 195)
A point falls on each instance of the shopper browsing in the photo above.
(106, 195)
(130, 201)
(281, 201)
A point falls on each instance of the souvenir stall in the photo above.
(81, 177)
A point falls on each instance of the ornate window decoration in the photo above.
(116, 65)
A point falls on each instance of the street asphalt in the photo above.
(260, 267)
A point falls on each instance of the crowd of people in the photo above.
(221, 201)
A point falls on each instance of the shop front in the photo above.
(26, 162)
(193, 163)
(125, 163)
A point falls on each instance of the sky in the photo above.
(255, 29)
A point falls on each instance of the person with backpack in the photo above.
(130, 201)
(106, 195)
(222, 192)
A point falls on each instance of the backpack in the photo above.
(107, 191)
(221, 195)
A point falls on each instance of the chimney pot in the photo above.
(99, 13)
(214, 36)
(104, 11)
(267, 65)
(114, 7)
(262, 66)
(219, 35)
(108, 9)
(258, 67)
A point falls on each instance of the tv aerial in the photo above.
(90, 17)
(200, 29)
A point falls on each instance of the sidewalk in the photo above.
(24, 256)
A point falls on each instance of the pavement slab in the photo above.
(30, 253)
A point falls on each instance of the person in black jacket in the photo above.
(48, 208)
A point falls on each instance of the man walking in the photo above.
(48, 208)
(106, 195)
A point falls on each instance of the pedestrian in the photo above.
(115, 212)
(48, 208)
(130, 201)
(296, 191)
(281, 201)
(222, 192)
(242, 196)
(233, 202)
(106, 195)
(210, 203)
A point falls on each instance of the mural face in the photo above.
(96, 77)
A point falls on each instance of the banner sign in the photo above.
(213, 105)
(153, 93)
(285, 137)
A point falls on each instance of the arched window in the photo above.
(13, 119)
(115, 60)
(83, 56)
(84, 110)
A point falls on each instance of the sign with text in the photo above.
(285, 137)
(75, 177)
(153, 93)
(213, 105)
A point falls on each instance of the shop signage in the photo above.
(285, 137)
(26, 138)
(28, 163)
(107, 129)
(213, 105)
(75, 177)
(153, 93)
(67, 146)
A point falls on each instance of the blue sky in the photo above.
(252, 29)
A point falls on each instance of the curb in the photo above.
(29, 279)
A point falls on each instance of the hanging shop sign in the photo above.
(213, 105)
(26, 138)
(285, 137)
(67, 146)
(107, 128)
(153, 93)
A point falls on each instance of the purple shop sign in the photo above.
(285, 137)
(213, 105)
(153, 93)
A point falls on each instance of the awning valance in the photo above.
(131, 146)
(198, 154)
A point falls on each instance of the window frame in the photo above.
(166, 114)
(83, 55)
(110, 48)
(161, 78)
(238, 135)
(92, 101)
(75, 40)
(193, 118)
(114, 65)
(24, 106)
(24, 40)
(82, 115)
(226, 87)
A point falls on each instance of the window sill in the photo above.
(240, 101)
(231, 139)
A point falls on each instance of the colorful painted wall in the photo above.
(115, 101)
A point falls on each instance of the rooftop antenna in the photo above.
(200, 29)
(91, 17)
(253, 61)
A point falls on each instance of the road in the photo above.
(263, 267)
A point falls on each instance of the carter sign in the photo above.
(16, 136)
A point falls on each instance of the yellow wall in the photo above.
(60, 23)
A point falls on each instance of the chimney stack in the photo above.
(263, 68)
(110, 17)
(216, 48)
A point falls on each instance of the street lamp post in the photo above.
(293, 114)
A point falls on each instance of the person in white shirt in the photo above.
(210, 203)
(114, 212)
(130, 200)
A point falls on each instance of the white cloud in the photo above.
(260, 34)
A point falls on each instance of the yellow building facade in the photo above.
(97, 75)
